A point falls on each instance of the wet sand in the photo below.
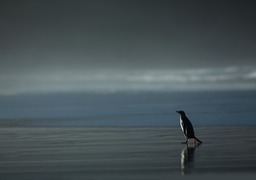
(125, 153)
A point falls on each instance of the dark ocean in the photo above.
(127, 136)
(153, 109)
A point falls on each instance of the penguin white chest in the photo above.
(181, 124)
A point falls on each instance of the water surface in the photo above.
(124, 153)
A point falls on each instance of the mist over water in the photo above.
(116, 80)
(129, 63)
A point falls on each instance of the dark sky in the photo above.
(48, 39)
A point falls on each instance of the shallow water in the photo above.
(123, 153)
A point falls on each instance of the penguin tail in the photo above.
(198, 140)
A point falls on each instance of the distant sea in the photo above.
(154, 109)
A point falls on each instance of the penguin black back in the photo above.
(187, 127)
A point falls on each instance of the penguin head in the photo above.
(181, 112)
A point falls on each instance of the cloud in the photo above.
(130, 80)
(252, 75)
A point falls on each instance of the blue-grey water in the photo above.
(131, 109)
(127, 136)
(65, 153)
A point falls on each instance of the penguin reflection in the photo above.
(187, 159)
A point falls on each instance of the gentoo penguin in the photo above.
(187, 128)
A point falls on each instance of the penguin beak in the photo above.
(177, 111)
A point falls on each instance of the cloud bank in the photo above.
(230, 78)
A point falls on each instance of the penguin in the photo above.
(187, 128)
